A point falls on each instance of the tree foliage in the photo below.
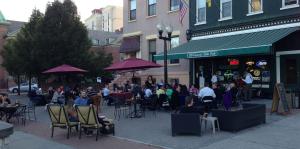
(51, 39)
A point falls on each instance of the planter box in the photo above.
(250, 115)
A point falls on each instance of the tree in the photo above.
(46, 41)
(21, 54)
(11, 61)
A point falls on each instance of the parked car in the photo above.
(24, 87)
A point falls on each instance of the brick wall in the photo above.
(3, 73)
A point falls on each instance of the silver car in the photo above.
(24, 87)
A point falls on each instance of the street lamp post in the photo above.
(168, 29)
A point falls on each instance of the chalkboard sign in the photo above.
(279, 98)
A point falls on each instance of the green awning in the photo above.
(242, 44)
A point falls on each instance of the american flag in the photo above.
(183, 7)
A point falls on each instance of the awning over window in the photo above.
(130, 44)
(242, 44)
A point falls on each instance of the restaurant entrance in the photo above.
(290, 70)
(232, 69)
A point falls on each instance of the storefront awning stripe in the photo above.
(243, 44)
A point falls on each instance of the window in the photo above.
(226, 9)
(132, 13)
(201, 11)
(151, 7)
(255, 6)
(93, 25)
(174, 5)
(152, 49)
(290, 3)
(174, 43)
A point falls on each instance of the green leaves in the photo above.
(46, 41)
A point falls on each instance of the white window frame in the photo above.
(130, 10)
(197, 13)
(289, 6)
(250, 8)
(148, 8)
(221, 10)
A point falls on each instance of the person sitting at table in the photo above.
(58, 96)
(161, 90)
(189, 106)
(82, 99)
(90, 91)
(105, 93)
(207, 95)
(4, 99)
(148, 92)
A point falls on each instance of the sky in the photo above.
(20, 10)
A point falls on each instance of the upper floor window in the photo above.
(226, 9)
(151, 7)
(152, 49)
(255, 6)
(174, 43)
(132, 13)
(201, 11)
(290, 3)
(174, 5)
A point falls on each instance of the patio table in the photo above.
(8, 111)
(126, 96)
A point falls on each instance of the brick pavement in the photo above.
(42, 131)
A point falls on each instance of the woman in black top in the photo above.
(189, 106)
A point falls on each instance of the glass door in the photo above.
(290, 70)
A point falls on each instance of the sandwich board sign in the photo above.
(280, 103)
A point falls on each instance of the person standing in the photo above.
(247, 90)
(214, 79)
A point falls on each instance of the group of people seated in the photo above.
(83, 97)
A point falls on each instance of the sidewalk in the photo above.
(279, 132)
(36, 135)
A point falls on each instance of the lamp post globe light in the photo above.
(168, 30)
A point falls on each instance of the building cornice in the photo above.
(255, 25)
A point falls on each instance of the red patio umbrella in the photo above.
(65, 69)
(132, 64)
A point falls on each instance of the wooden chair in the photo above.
(96, 100)
(59, 118)
(88, 119)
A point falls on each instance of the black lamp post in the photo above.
(168, 29)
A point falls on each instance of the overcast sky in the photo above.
(20, 10)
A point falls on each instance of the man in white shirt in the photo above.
(148, 93)
(247, 90)
(206, 92)
(106, 96)
(207, 95)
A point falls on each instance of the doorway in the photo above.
(290, 70)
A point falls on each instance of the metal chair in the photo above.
(59, 118)
(30, 109)
(20, 114)
(88, 119)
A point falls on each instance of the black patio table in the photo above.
(8, 111)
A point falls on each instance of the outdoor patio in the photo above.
(156, 131)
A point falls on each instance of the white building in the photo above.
(109, 18)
